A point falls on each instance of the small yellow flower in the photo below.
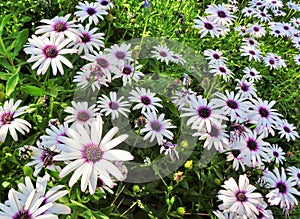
(184, 144)
(181, 210)
(188, 164)
(178, 176)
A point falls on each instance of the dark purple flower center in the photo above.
(102, 62)
(83, 116)
(145, 100)
(60, 27)
(276, 154)
(100, 183)
(251, 42)
(272, 61)
(113, 105)
(244, 87)
(104, 2)
(7, 118)
(92, 153)
(252, 52)
(260, 215)
(286, 27)
(258, 3)
(286, 129)
(91, 11)
(208, 26)
(236, 153)
(85, 38)
(263, 112)
(156, 126)
(263, 14)
(232, 104)
(241, 196)
(216, 56)
(298, 175)
(120, 55)
(47, 157)
(221, 14)
(23, 214)
(281, 187)
(127, 70)
(50, 51)
(252, 73)
(204, 112)
(223, 70)
(256, 29)
(252, 144)
(163, 53)
(277, 31)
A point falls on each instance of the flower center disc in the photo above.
(91, 11)
(85, 38)
(263, 112)
(232, 104)
(156, 126)
(92, 153)
(120, 55)
(252, 145)
(102, 62)
(7, 118)
(281, 187)
(145, 100)
(241, 196)
(83, 116)
(127, 70)
(23, 214)
(208, 26)
(113, 105)
(51, 51)
(204, 112)
(60, 27)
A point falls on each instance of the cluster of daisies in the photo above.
(236, 123)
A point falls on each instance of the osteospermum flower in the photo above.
(283, 190)
(91, 156)
(81, 113)
(121, 53)
(287, 130)
(277, 154)
(181, 97)
(129, 72)
(252, 74)
(91, 11)
(222, 70)
(216, 137)
(265, 118)
(42, 157)
(157, 127)
(253, 149)
(107, 4)
(256, 30)
(169, 148)
(240, 199)
(9, 120)
(162, 53)
(219, 14)
(206, 26)
(252, 52)
(215, 56)
(274, 61)
(53, 133)
(294, 174)
(246, 88)
(233, 105)
(202, 114)
(112, 105)
(145, 99)
(50, 196)
(60, 26)
(31, 207)
(233, 155)
(46, 51)
(88, 40)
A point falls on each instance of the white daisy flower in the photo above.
(237, 160)
(162, 53)
(112, 105)
(169, 148)
(157, 127)
(262, 15)
(9, 120)
(215, 56)
(206, 26)
(252, 52)
(202, 114)
(252, 74)
(31, 206)
(88, 40)
(256, 30)
(107, 4)
(60, 26)
(53, 133)
(42, 157)
(277, 154)
(240, 198)
(248, 11)
(129, 72)
(145, 99)
(294, 174)
(92, 11)
(246, 88)
(50, 196)
(221, 70)
(274, 61)
(287, 130)
(91, 156)
(46, 51)
(81, 113)
(220, 15)
(283, 189)
(181, 97)
(121, 53)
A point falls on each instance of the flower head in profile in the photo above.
(91, 156)
(240, 198)
(46, 51)
(9, 120)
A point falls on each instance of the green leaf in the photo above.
(21, 39)
(4, 76)
(12, 83)
(75, 203)
(33, 90)
(6, 64)
(5, 20)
